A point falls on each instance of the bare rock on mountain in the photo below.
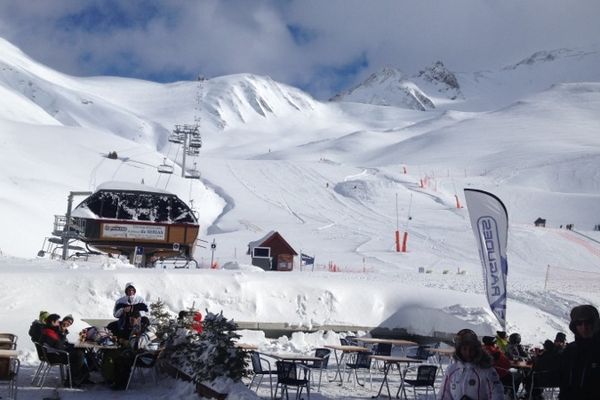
(388, 87)
(441, 80)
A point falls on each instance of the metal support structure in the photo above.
(67, 229)
(189, 137)
(185, 147)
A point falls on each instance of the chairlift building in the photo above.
(120, 217)
(272, 253)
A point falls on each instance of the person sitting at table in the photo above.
(514, 350)
(124, 306)
(52, 337)
(501, 340)
(65, 323)
(141, 340)
(560, 342)
(501, 364)
(35, 330)
(471, 376)
(546, 364)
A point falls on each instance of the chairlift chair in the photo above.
(175, 138)
(195, 142)
(193, 151)
(165, 168)
(193, 173)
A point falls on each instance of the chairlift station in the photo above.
(121, 217)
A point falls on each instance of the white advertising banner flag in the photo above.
(489, 221)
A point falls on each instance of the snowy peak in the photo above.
(388, 87)
(138, 110)
(441, 80)
(241, 98)
(546, 56)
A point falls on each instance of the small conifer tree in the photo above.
(211, 354)
(220, 357)
(161, 319)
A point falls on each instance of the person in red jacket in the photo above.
(52, 338)
(197, 322)
(501, 364)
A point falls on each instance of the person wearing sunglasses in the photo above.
(471, 376)
(580, 360)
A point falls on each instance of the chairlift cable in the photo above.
(169, 178)
(116, 170)
(157, 179)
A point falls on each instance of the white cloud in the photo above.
(222, 37)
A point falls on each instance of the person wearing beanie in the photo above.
(471, 376)
(124, 306)
(66, 322)
(43, 315)
(580, 360)
(515, 350)
(501, 340)
(560, 341)
(35, 329)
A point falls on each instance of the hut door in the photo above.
(285, 262)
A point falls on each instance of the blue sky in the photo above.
(320, 46)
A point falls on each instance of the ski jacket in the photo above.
(467, 381)
(143, 340)
(580, 370)
(501, 363)
(52, 337)
(501, 343)
(136, 301)
(35, 331)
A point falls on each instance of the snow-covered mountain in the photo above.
(388, 87)
(479, 90)
(142, 111)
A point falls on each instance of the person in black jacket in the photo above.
(580, 361)
(545, 370)
(35, 330)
